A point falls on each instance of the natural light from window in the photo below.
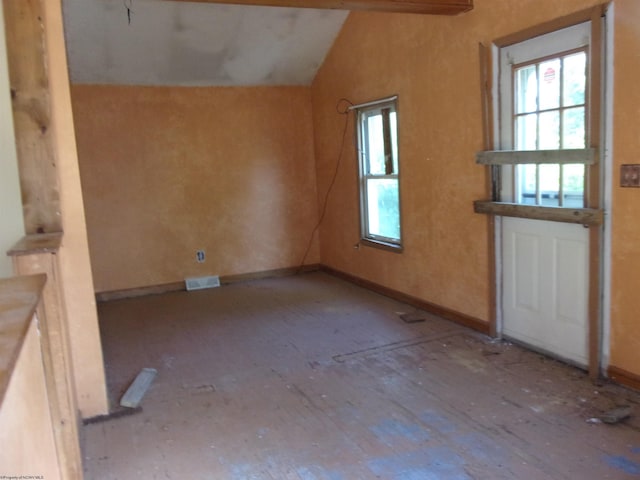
(379, 185)
(549, 114)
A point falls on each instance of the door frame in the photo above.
(597, 191)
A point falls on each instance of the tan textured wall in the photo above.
(26, 433)
(625, 284)
(167, 171)
(432, 63)
(75, 263)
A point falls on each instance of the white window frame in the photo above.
(392, 170)
(578, 37)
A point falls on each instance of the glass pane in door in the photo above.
(549, 114)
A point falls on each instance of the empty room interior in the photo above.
(319, 239)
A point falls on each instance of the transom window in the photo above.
(379, 169)
(549, 114)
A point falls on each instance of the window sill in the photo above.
(391, 247)
(581, 216)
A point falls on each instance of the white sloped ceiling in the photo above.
(180, 43)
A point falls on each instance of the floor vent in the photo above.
(200, 283)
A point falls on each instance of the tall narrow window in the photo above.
(379, 168)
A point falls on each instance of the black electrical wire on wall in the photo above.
(343, 108)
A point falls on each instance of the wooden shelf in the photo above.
(584, 156)
(581, 216)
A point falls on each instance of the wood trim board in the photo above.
(443, 312)
(490, 182)
(31, 105)
(594, 196)
(463, 319)
(581, 216)
(559, 23)
(111, 295)
(624, 377)
(586, 156)
(429, 7)
(56, 356)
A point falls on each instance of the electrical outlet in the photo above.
(630, 175)
(200, 256)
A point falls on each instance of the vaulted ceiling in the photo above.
(213, 42)
(151, 42)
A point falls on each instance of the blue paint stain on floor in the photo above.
(623, 464)
(481, 449)
(390, 430)
(437, 463)
(246, 471)
(307, 473)
(243, 471)
(635, 449)
(437, 421)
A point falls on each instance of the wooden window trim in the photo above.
(585, 156)
(424, 7)
(581, 216)
(382, 245)
(593, 195)
(386, 106)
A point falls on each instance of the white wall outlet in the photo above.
(200, 256)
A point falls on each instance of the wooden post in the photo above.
(593, 196)
(26, 53)
(38, 254)
(487, 134)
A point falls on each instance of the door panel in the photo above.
(545, 284)
(526, 259)
(545, 278)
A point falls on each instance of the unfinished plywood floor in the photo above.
(311, 378)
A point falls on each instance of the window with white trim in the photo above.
(377, 124)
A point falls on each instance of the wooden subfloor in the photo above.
(312, 378)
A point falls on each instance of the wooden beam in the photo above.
(429, 7)
(491, 185)
(29, 81)
(37, 254)
(586, 156)
(593, 194)
(581, 216)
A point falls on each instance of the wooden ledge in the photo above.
(19, 297)
(427, 7)
(584, 156)
(37, 243)
(581, 216)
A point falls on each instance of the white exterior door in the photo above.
(543, 106)
(545, 284)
